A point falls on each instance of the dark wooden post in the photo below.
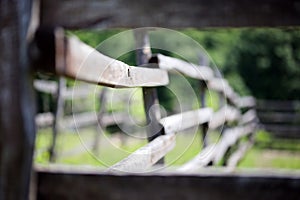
(17, 110)
(203, 87)
(58, 113)
(143, 54)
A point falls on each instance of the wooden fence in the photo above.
(161, 132)
(51, 52)
(280, 118)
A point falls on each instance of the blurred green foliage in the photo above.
(268, 60)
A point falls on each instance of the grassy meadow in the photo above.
(76, 149)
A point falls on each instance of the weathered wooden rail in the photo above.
(33, 42)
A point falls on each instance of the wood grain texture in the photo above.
(185, 120)
(183, 67)
(79, 61)
(17, 108)
(180, 14)
(142, 159)
(92, 184)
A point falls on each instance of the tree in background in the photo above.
(268, 60)
(218, 43)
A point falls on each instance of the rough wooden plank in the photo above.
(189, 119)
(145, 157)
(190, 13)
(79, 61)
(201, 160)
(206, 184)
(230, 137)
(17, 108)
(225, 114)
(186, 68)
(45, 86)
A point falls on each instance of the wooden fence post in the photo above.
(17, 127)
(58, 112)
(143, 54)
(204, 127)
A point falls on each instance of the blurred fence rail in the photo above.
(280, 118)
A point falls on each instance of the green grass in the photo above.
(270, 152)
(266, 158)
(187, 146)
(112, 150)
